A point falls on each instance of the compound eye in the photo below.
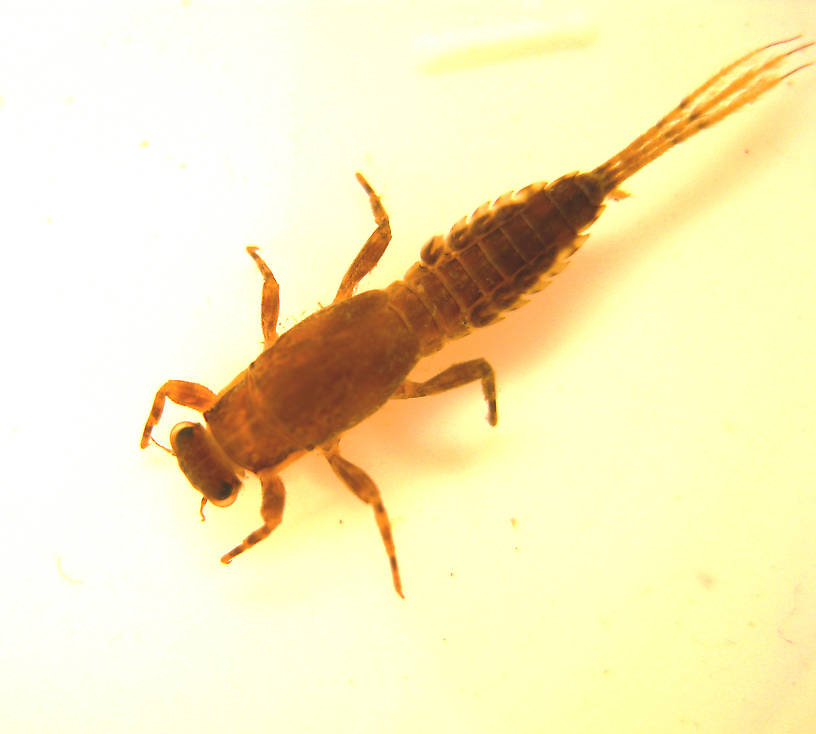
(204, 463)
(223, 492)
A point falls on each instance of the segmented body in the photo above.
(341, 364)
(488, 261)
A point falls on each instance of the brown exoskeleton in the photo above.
(339, 365)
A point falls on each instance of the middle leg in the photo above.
(363, 486)
(270, 299)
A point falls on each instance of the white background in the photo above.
(630, 550)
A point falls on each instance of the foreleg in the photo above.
(188, 394)
(274, 498)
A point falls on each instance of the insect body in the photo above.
(342, 363)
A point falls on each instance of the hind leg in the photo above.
(371, 251)
(456, 375)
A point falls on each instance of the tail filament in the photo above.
(727, 91)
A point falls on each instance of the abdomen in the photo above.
(487, 262)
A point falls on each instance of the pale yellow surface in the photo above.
(631, 550)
